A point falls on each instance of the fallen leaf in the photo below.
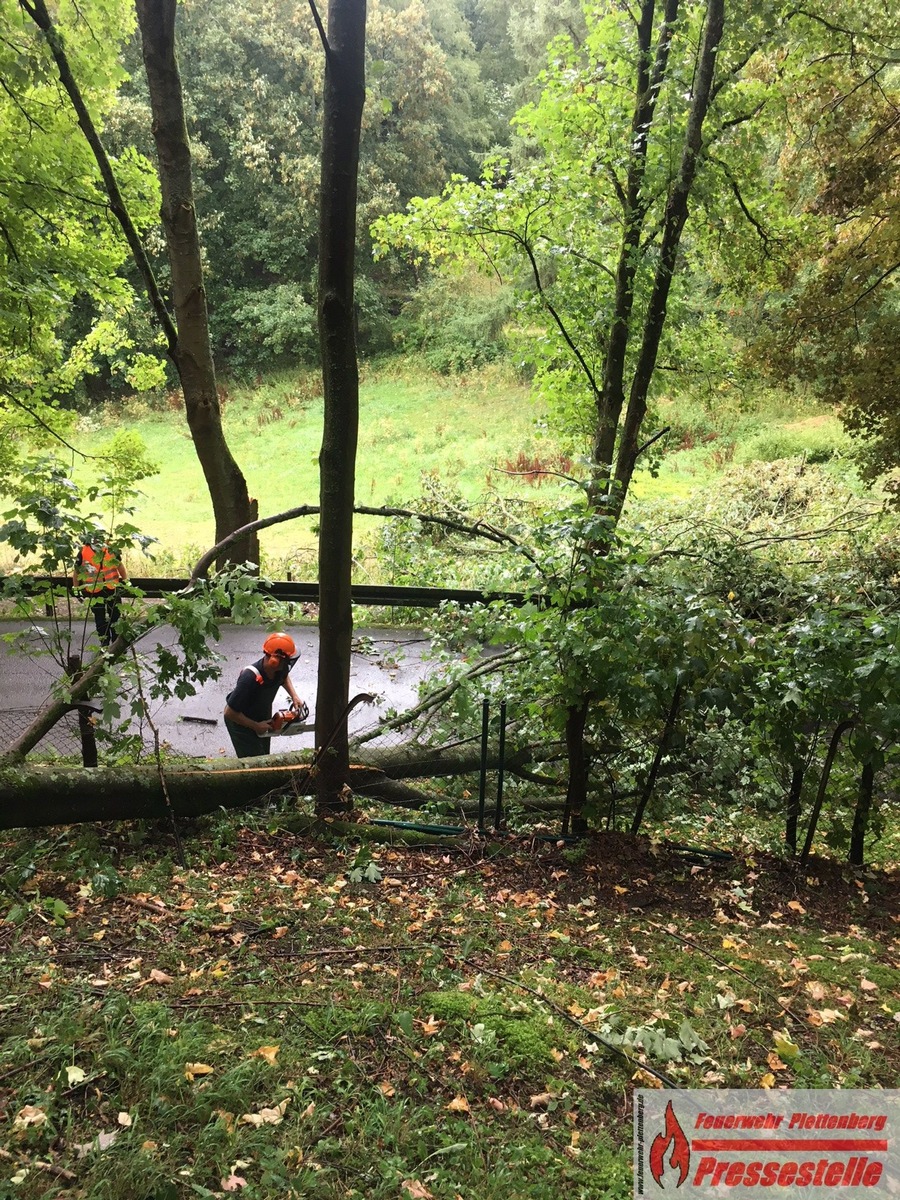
(387, 1089)
(767, 1081)
(75, 1075)
(416, 1190)
(160, 977)
(269, 1053)
(233, 1183)
(458, 1104)
(868, 985)
(785, 1048)
(124, 1120)
(266, 1116)
(796, 906)
(541, 1100)
(431, 1026)
(28, 1117)
(101, 1142)
(192, 1069)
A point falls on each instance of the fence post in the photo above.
(482, 781)
(501, 759)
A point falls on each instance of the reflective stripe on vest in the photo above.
(97, 576)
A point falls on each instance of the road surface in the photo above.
(386, 662)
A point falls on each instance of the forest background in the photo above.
(520, 265)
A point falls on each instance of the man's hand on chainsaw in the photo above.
(301, 708)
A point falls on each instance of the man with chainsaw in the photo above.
(248, 707)
(97, 575)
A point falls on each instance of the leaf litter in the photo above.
(478, 992)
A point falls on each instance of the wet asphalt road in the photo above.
(386, 662)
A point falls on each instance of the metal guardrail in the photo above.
(382, 594)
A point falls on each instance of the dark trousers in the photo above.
(107, 611)
(247, 744)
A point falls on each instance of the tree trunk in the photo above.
(86, 733)
(342, 115)
(192, 351)
(576, 793)
(676, 215)
(647, 86)
(830, 756)
(861, 815)
(33, 796)
(793, 807)
(662, 746)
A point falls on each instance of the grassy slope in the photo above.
(433, 1035)
(461, 429)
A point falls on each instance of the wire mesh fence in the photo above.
(63, 738)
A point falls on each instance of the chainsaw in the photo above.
(289, 720)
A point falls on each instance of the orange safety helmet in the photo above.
(279, 641)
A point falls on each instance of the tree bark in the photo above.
(576, 794)
(830, 756)
(676, 215)
(647, 86)
(662, 746)
(191, 351)
(342, 117)
(187, 339)
(798, 773)
(33, 796)
(86, 733)
(861, 815)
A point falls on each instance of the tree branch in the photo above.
(321, 28)
(479, 529)
(41, 17)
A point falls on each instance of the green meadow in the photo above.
(468, 434)
(465, 432)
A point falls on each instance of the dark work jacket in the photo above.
(253, 693)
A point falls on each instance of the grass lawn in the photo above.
(459, 429)
(286, 1020)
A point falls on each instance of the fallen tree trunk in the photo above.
(34, 796)
(50, 795)
(422, 762)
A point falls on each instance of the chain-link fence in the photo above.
(63, 738)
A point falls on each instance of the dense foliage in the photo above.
(60, 253)
(714, 650)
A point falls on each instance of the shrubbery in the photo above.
(456, 329)
(814, 445)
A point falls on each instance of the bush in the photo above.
(456, 326)
(273, 325)
(816, 445)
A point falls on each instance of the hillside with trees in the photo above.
(587, 312)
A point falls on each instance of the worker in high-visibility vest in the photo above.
(97, 574)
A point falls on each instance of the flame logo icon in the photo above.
(680, 1157)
